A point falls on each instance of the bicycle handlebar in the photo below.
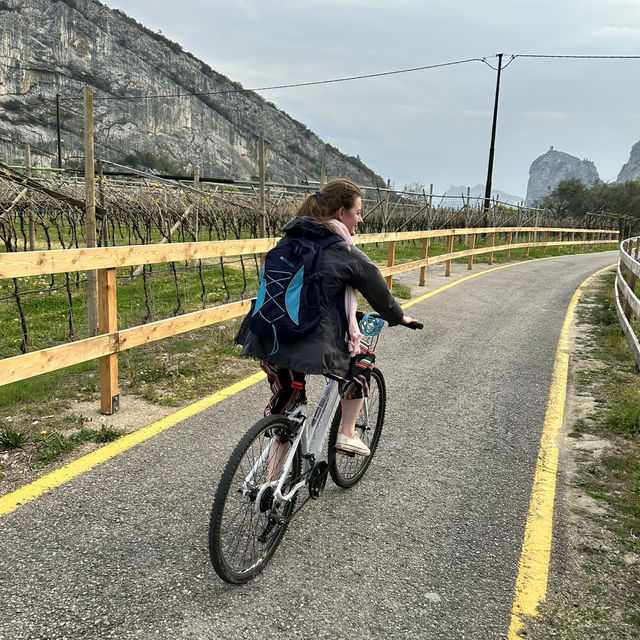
(411, 325)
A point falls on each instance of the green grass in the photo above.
(50, 446)
(12, 439)
(47, 314)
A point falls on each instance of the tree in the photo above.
(411, 193)
(571, 198)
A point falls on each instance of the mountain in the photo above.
(631, 170)
(155, 105)
(478, 192)
(551, 168)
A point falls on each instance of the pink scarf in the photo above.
(350, 300)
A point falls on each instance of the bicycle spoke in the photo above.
(241, 536)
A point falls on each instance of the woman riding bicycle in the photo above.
(333, 346)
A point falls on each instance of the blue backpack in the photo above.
(288, 302)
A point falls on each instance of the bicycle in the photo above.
(279, 457)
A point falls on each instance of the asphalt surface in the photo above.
(426, 546)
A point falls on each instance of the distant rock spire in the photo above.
(550, 169)
(631, 170)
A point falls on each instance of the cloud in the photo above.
(629, 33)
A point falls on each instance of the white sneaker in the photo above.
(352, 445)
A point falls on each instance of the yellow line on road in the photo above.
(533, 573)
(54, 479)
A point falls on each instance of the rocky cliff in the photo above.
(154, 104)
(631, 170)
(551, 168)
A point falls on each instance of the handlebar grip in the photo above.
(414, 325)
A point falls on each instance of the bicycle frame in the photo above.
(310, 437)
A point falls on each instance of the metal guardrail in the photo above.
(627, 303)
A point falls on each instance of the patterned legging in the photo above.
(288, 386)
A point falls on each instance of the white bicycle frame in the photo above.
(310, 437)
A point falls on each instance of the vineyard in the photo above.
(46, 211)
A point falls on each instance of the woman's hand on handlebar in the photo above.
(411, 323)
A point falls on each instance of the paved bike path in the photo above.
(427, 545)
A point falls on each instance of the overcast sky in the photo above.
(430, 126)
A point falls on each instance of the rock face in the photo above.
(631, 170)
(50, 47)
(551, 168)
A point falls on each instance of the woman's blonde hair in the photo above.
(323, 204)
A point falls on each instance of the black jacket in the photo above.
(324, 349)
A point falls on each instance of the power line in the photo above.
(298, 84)
(541, 55)
(329, 81)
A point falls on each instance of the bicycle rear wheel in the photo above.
(245, 529)
(347, 469)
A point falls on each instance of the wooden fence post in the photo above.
(90, 210)
(449, 250)
(391, 256)
(528, 242)
(425, 252)
(584, 236)
(509, 236)
(472, 245)
(467, 215)
(104, 225)
(544, 240)
(263, 201)
(195, 218)
(32, 222)
(108, 323)
(492, 242)
(385, 207)
(573, 235)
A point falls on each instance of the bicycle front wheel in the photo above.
(347, 469)
(246, 527)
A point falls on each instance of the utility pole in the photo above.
(263, 202)
(90, 210)
(32, 223)
(58, 129)
(487, 192)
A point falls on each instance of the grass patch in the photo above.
(12, 439)
(51, 446)
(623, 414)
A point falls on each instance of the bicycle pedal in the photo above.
(349, 454)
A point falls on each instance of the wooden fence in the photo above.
(627, 303)
(105, 260)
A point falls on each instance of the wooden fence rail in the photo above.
(106, 260)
